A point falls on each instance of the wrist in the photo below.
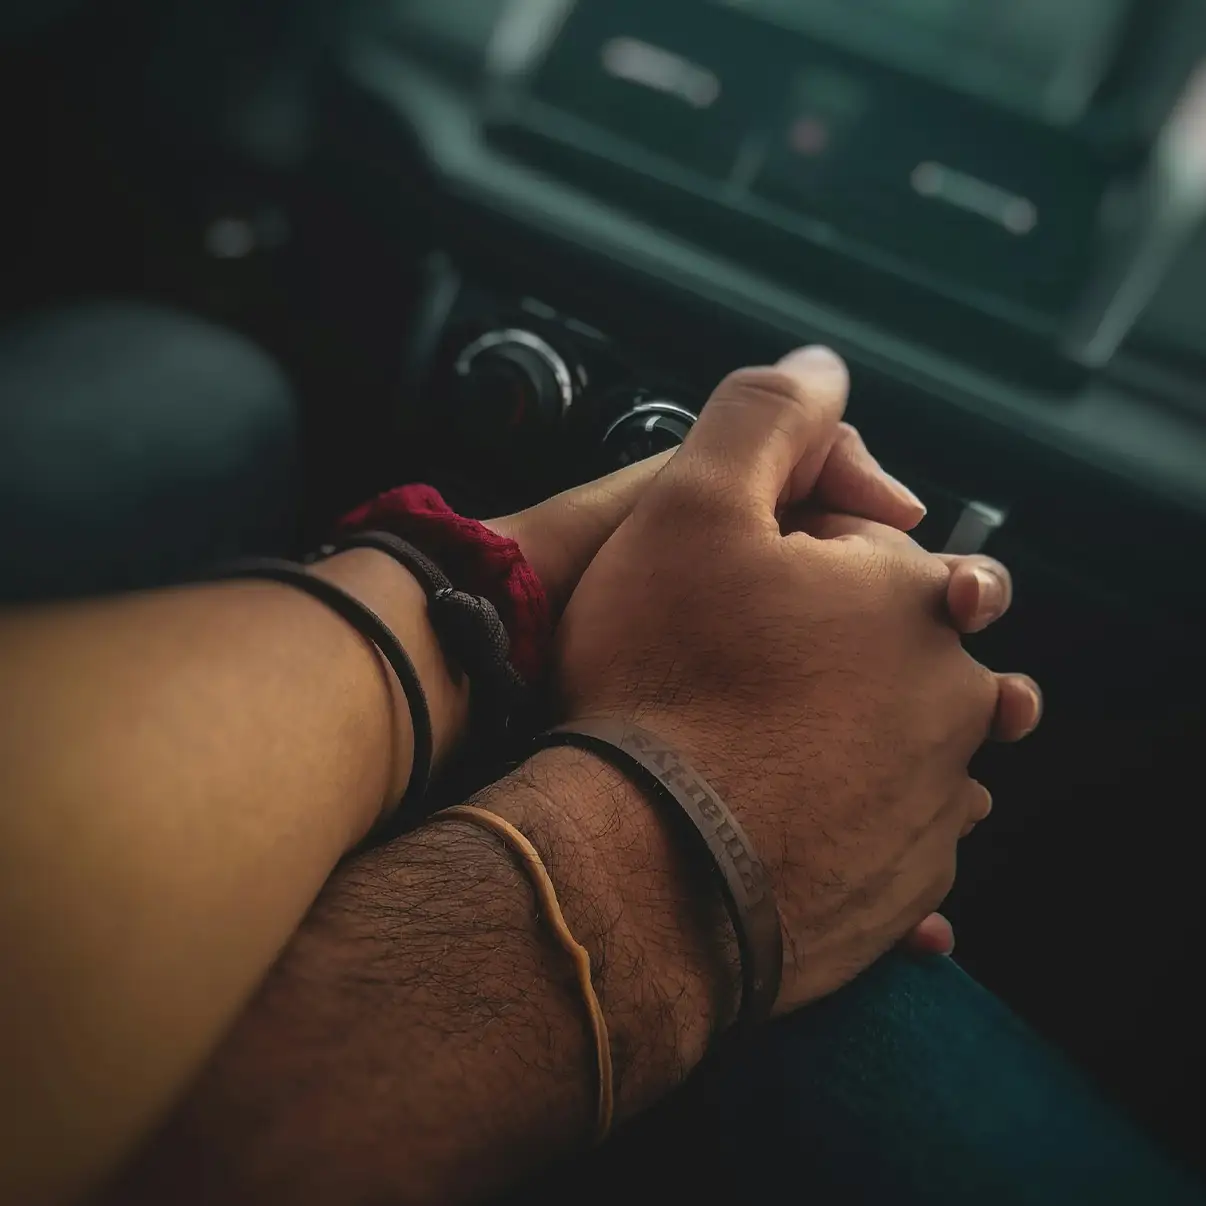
(662, 951)
(479, 559)
(381, 584)
(542, 553)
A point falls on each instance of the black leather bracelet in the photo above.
(469, 630)
(374, 630)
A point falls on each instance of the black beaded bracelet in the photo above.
(470, 632)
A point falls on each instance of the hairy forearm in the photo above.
(180, 772)
(423, 1040)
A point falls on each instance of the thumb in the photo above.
(766, 433)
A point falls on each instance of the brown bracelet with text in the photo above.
(748, 897)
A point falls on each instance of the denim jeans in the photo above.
(913, 1086)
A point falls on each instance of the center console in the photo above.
(533, 401)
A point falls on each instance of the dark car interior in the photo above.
(506, 245)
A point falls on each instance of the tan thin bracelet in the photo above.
(546, 895)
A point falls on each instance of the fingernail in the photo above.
(818, 363)
(816, 355)
(1037, 696)
(905, 494)
(992, 594)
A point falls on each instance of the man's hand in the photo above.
(562, 536)
(813, 676)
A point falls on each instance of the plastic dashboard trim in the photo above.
(1162, 453)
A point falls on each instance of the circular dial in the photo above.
(645, 430)
(514, 380)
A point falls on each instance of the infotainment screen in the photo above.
(1044, 58)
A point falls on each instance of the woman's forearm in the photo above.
(179, 773)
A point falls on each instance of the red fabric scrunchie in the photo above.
(477, 560)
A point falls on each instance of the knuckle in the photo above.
(929, 571)
(848, 448)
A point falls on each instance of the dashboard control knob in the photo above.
(645, 430)
(512, 381)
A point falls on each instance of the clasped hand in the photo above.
(755, 599)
